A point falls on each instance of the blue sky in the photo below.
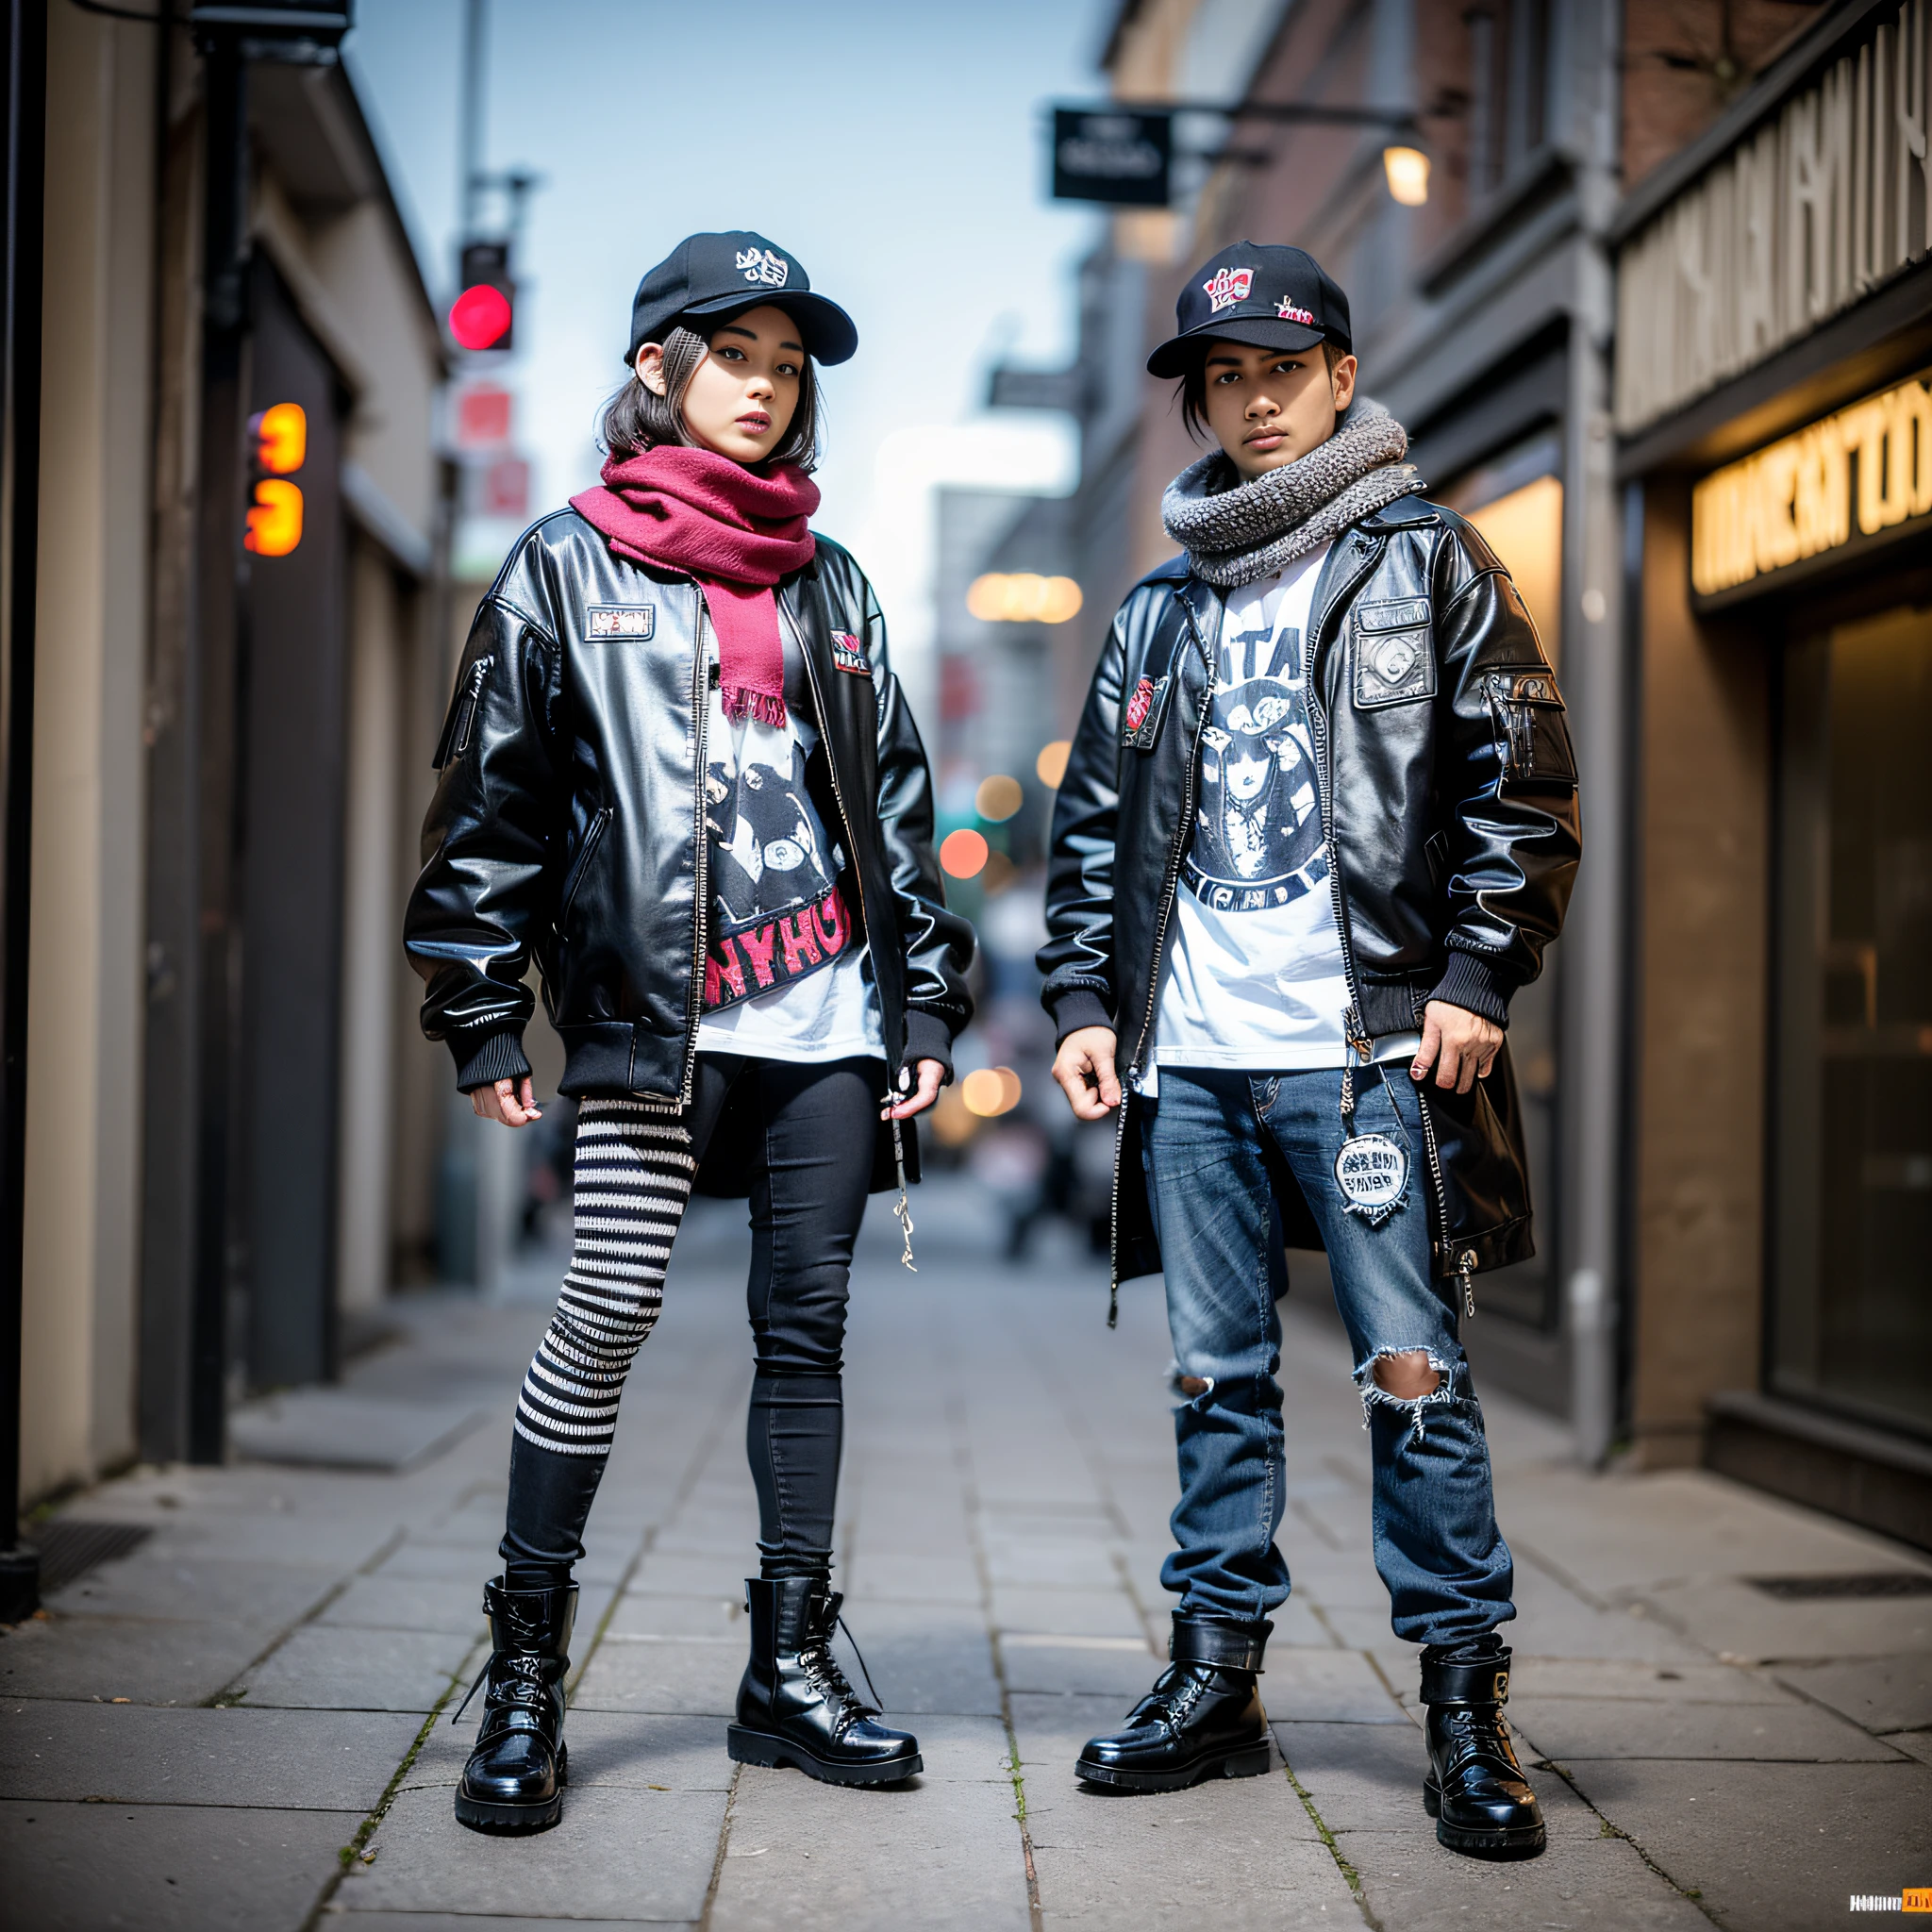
(895, 149)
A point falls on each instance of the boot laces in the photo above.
(823, 1668)
(1480, 1739)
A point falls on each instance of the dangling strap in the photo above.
(877, 1702)
(902, 1210)
(475, 1687)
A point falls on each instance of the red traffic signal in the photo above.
(481, 316)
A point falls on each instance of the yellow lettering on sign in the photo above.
(1796, 498)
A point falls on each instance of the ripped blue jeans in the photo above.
(1209, 1143)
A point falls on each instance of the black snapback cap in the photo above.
(710, 279)
(1257, 293)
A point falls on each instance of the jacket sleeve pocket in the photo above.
(1394, 653)
(1532, 737)
(460, 726)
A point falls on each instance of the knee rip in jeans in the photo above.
(1404, 1366)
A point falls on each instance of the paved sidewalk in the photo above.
(245, 1722)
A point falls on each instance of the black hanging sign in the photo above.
(1117, 155)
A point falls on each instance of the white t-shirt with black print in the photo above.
(1254, 975)
(785, 973)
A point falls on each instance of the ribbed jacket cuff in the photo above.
(928, 1038)
(1470, 981)
(1079, 1007)
(484, 1058)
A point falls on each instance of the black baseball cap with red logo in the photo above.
(1261, 294)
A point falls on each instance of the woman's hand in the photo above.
(922, 1096)
(1462, 1047)
(509, 1102)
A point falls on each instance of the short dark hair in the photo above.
(1191, 392)
(636, 419)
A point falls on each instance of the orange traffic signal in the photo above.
(281, 437)
(275, 522)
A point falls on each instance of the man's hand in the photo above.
(509, 1103)
(1461, 1046)
(1083, 1067)
(922, 1096)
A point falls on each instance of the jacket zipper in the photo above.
(467, 706)
(1352, 1021)
(811, 677)
(1176, 845)
(701, 709)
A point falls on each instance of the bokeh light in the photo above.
(1023, 598)
(1408, 169)
(989, 1091)
(953, 1122)
(998, 798)
(963, 852)
(1050, 766)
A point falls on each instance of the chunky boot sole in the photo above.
(1489, 1842)
(746, 1746)
(493, 1814)
(1250, 1760)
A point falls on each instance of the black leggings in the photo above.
(811, 1171)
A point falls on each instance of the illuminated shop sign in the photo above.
(1860, 472)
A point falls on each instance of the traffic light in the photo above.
(481, 316)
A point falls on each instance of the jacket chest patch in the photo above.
(602, 621)
(1140, 721)
(848, 653)
(1395, 661)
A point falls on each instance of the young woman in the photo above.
(679, 775)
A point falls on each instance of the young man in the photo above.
(1319, 823)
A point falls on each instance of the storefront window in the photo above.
(1516, 502)
(1852, 1221)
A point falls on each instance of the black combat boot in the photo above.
(1476, 1789)
(1202, 1719)
(515, 1777)
(794, 1705)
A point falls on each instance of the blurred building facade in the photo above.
(1733, 1189)
(1775, 447)
(232, 1123)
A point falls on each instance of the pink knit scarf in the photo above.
(736, 534)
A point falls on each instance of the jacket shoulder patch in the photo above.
(848, 653)
(1140, 721)
(603, 621)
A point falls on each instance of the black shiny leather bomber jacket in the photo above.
(567, 823)
(1448, 791)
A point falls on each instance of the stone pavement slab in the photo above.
(322, 1668)
(156, 1868)
(1598, 1883)
(618, 1853)
(1773, 1847)
(1891, 1693)
(926, 1853)
(270, 1759)
(113, 1657)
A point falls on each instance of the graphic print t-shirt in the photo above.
(785, 973)
(1254, 975)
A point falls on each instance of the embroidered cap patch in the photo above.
(619, 621)
(848, 653)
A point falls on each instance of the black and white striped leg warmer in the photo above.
(634, 1171)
